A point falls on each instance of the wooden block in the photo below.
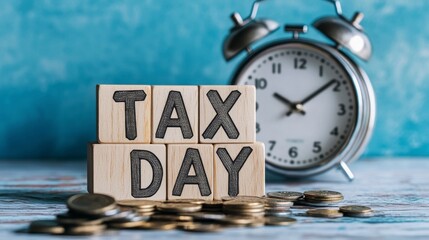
(175, 114)
(227, 114)
(190, 171)
(128, 171)
(124, 113)
(239, 169)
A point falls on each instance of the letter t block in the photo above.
(123, 113)
(227, 114)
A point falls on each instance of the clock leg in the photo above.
(346, 170)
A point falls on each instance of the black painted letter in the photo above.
(222, 118)
(130, 98)
(192, 158)
(174, 101)
(233, 167)
(136, 190)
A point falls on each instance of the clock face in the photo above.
(306, 104)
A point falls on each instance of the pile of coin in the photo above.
(95, 213)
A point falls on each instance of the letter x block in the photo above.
(175, 114)
(128, 171)
(239, 169)
(123, 113)
(227, 114)
(190, 171)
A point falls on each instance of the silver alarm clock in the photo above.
(315, 105)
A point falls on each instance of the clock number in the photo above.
(261, 83)
(272, 144)
(293, 152)
(334, 131)
(258, 128)
(337, 85)
(317, 148)
(321, 71)
(300, 63)
(342, 110)
(277, 68)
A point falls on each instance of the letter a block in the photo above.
(123, 113)
(227, 114)
(128, 171)
(239, 170)
(190, 171)
(175, 114)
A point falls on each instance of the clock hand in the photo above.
(318, 91)
(299, 106)
(293, 106)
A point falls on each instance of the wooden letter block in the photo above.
(239, 169)
(128, 171)
(175, 114)
(227, 114)
(190, 171)
(123, 113)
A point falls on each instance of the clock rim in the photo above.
(365, 115)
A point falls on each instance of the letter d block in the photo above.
(190, 171)
(128, 171)
(239, 169)
(227, 114)
(123, 113)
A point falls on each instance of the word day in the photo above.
(172, 142)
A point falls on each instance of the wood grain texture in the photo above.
(397, 189)
(176, 159)
(111, 124)
(109, 170)
(242, 114)
(189, 95)
(251, 175)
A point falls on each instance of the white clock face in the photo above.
(306, 104)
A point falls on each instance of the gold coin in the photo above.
(179, 207)
(45, 226)
(242, 198)
(68, 219)
(360, 215)
(279, 221)
(328, 201)
(286, 195)
(193, 201)
(144, 210)
(322, 195)
(85, 230)
(242, 204)
(141, 204)
(213, 204)
(278, 202)
(170, 217)
(238, 220)
(199, 227)
(355, 209)
(327, 213)
(91, 204)
(158, 225)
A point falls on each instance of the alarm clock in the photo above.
(315, 106)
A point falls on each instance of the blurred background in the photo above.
(53, 53)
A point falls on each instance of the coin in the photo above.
(202, 216)
(238, 220)
(179, 207)
(242, 198)
(357, 211)
(278, 202)
(141, 204)
(242, 204)
(91, 204)
(286, 195)
(171, 217)
(279, 221)
(158, 225)
(278, 214)
(84, 230)
(199, 227)
(45, 226)
(194, 201)
(323, 195)
(69, 219)
(326, 213)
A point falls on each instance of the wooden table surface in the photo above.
(397, 189)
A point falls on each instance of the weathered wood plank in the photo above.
(397, 189)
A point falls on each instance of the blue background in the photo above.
(53, 53)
